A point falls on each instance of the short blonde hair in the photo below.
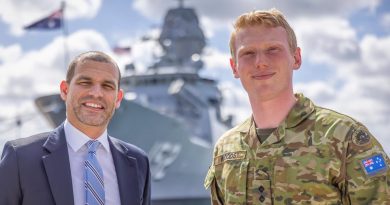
(270, 18)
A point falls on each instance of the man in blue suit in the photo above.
(51, 168)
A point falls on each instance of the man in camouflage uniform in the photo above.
(290, 151)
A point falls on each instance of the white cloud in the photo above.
(82, 9)
(37, 73)
(360, 89)
(228, 10)
(10, 53)
(207, 22)
(145, 52)
(327, 40)
(215, 59)
(385, 21)
(376, 55)
(46, 65)
(360, 83)
(235, 101)
(319, 90)
(24, 12)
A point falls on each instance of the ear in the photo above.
(233, 66)
(64, 87)
(119, 98)
(297, 59)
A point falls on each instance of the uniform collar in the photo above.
(245, 126)
(298, 113)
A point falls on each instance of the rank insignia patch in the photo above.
(373, 165)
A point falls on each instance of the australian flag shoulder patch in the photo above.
(374, 165)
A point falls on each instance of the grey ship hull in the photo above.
(178, 165)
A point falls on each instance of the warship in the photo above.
(169, 111)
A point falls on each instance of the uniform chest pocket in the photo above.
(231, 177)
(305, 179)
(259, 187)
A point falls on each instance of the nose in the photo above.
(96, 91)
(261, 60)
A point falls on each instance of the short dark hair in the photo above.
(92, 56)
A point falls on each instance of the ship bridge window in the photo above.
(213, 101)
(187, 109)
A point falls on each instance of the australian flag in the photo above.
(121, 50)
(374, 165)
(53, 21)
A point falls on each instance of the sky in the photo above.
(345, 50)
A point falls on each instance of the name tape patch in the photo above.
(229, 156)
(374, 165)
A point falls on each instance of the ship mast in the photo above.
(182, 41)
(180, 3)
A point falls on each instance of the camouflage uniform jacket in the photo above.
(316, 156)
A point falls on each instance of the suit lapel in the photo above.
(126, 171)
(57, 167)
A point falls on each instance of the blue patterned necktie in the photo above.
(94, 186)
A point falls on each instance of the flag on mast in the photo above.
(51, 22)
(121, 50)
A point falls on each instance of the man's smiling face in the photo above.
(92, 94)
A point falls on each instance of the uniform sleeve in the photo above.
(210, 182)
(10, 192)
(367, 170)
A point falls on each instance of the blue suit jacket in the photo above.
(36, 170)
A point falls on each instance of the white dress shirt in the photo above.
(77, 150)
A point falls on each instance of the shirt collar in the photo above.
(77, 139)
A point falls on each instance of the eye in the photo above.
(247, 53)
(84, 83)
(273, 50)
(109, 86)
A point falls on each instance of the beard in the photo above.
(93, 118)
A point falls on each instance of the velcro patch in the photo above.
(229, 156)
(374, 165)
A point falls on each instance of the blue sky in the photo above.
(346, 60)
